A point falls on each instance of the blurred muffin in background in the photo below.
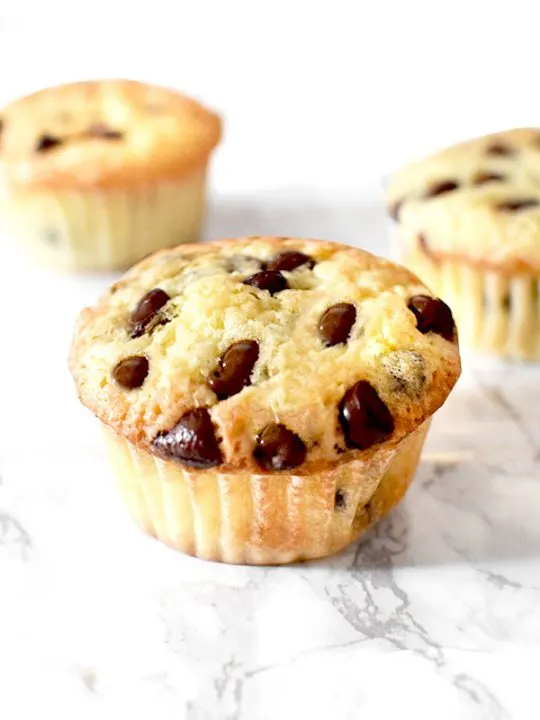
(467, 221)
(96, 175)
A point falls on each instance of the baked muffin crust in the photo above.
(249, 362)
(478, 201)
(103, 134)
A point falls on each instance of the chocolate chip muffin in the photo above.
(97, 175)
(468, 223)
(265, 399)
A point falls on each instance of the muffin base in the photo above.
(245, 518)
(495, 313)
(109, 228)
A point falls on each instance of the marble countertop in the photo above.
(435, 614)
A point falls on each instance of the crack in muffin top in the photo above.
(104, 133)
(478, 200)
(191, 359)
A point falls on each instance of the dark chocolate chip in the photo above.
(340, 500)
(517, 205)
(192, 441)
(395, 209)
(432, 315)
(100, 130)
(364, 417)
(47, 142)
(290, 261)
(148, 306)
(234, 368)
(278, 448)
(440, 188)
(500, 149)
(271, 280)
(336, 323)
(131, 372)
(482, 178)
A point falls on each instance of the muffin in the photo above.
(468, 223)
(97, 175)
(264, 399)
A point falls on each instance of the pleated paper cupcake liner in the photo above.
(109, 228)
(257, 519)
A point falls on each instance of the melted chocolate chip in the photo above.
(517, 205)
(336, 323)
(131, 372)
(395, 209)
(432, 315)
(340, 500)
(148, 306)
(440, 188)
(271, 280)
(100, 130)
(278, 448)
(192, 441)
(234, 368)
(482, 178)
(364, 417)
(47, 142)
(500, 149)
(290, 261)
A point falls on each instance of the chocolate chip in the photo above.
(340, 500)
(442, 187)
(234, 368)
(336, 323)
(278, 448)
(395, 209)
(131, 372)
(271, 280)
(517, 205)
(47, 142)
(290, 261)
(432, 315)
(148, 306)
(192, 440)
(100, 130)
(500, 149)
(482, 178)
(364, 417)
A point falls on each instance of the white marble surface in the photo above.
(435, 614)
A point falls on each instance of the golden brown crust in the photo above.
(162, 134)
(296, 381)
(473, 222)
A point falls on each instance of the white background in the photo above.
(319, 95)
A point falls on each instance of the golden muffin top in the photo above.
(103, 133)
(265, 354)
(478, 201)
